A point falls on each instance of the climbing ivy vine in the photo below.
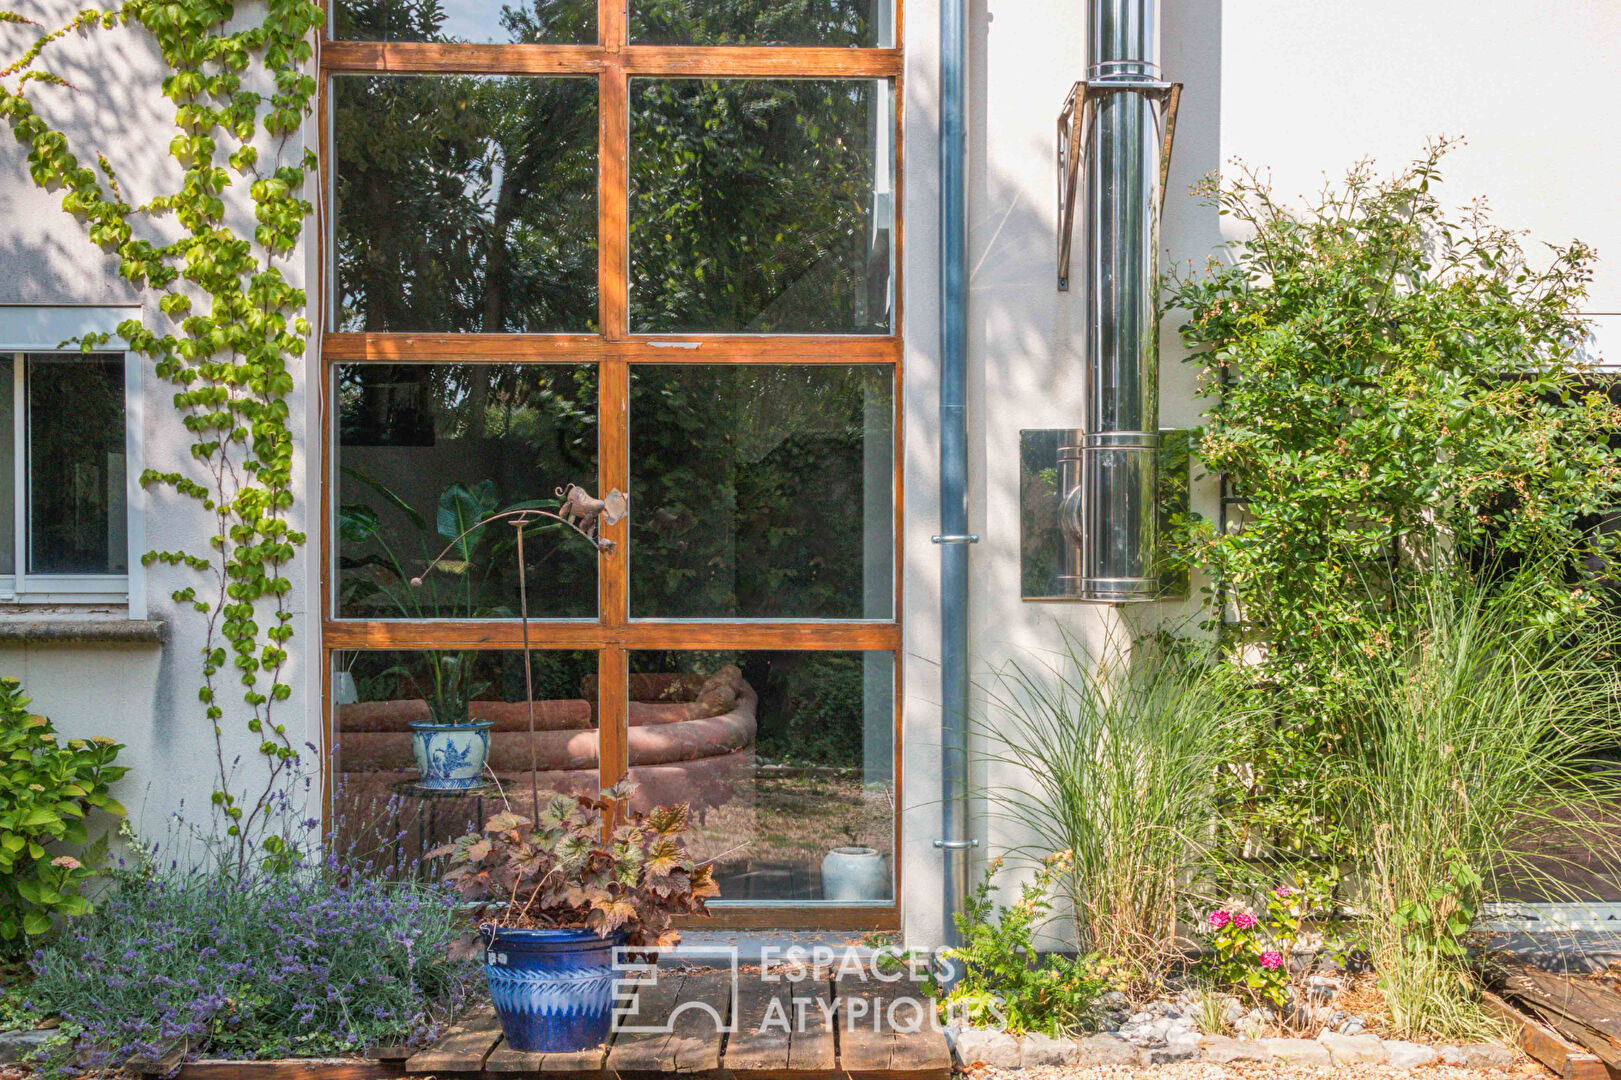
(234, 331)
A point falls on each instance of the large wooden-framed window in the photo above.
(645, 245)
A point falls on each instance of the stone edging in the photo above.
(1001, 1050)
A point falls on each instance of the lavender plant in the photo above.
(316, 960)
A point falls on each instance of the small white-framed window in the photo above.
(70, 527)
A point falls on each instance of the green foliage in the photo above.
(1113, 757)
(1392, 388)
(317, 961)
(1004, 981)
(47, 791)
(236, 327)
(1470, 751)
(1437, 920)
(566, 868)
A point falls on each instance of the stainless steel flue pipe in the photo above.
(1110, 472)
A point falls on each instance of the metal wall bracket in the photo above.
(956, 845)
(1075, 123)
(955, 538)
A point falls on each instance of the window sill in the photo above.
(23, 629)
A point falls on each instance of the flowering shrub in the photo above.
(311, 961)
(1003, 980)
(1250, 955)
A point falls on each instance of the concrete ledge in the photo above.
(58, 631)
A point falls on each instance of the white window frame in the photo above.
(44, 329)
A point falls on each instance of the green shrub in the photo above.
(1003, 981)
(1113, 756)
(1391, 386)
(46, 792)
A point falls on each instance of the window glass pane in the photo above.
(787, 759)
(862, 23)
(762, 491)
(760, 206)
(482, 22)
(8, 465)
(77, 513)
(384, 807)
(465, 203)
(426, 450)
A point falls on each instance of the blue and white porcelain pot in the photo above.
(450, 756)
(552, 989)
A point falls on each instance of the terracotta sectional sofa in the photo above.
(691, 740)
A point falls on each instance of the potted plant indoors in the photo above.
(450, 747)
(855, 872)
(555, 896)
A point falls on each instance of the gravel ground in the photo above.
(1252, 1070)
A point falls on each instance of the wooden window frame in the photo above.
(613, 635)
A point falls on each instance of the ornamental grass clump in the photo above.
(1473, 745)
(1113, 756)
(310, 961)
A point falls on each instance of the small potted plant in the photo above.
(855, 872)
(554, 896)
(450, 747)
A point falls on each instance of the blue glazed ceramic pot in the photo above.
(450, 756)
(552, 989)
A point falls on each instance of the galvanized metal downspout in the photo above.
(954, 539)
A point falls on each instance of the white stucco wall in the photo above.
(142, 695)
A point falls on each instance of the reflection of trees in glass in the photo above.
(760, 22)
(466, 203)
(553, 22)
(748, 486)
(753, 206)
(426, 451)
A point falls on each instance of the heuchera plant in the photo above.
(567, 869)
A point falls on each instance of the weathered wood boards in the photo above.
(886, 1033)
(784, 1031)
(463, 1049)
(680, 1026)
(1563, 1058)
(1575, 1009)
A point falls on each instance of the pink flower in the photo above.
(1283, 892)
(1220, 918)
(1244, 920)
(1271, 960)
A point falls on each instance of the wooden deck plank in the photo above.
(814, 1053)
(870, 1047)
(758, 1049)
(463, 1049)
(699, 1022)
(641, 1050)
(290, 1069)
